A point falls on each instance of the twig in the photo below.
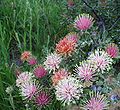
(118, 18)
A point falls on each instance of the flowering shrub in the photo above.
(71, 72)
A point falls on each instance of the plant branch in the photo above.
(118, 18)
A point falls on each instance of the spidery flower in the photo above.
(113, 50)
(72, 36)
(52, 61)
(23, 78)
(28, 90)
(59, 75)
(83, 22)
(42, 99)
(68, 90)
(65, 46)
(97, 102)
(100, 60)
(39, 71)
(85, 71)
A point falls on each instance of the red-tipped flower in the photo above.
(65, 46)
(26, 55)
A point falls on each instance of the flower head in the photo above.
(100, 60)
(65, 46)
(26, 55)
(68, 90)
(97, 102)
(59, 75)
(85, 71)
(112, 50)
(39, 71)
(70, 3)
(28, 90)
(32, 61)
(83, 22)
(52, 61)
(72, 37)
(42, 99)
(23, 78)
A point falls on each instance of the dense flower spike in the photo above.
(68, 90)
(112, 50)
(83, 22)
(39, 71)
(97, 102)
(65, 46)
(32, 61)
(26, 55)
(23, 78)
(52, 61)
(59, 75)
(101, 60)
(42, 99)
(28, 90)
(85, 71)
(72, 37)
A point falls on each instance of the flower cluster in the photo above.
(68, 82)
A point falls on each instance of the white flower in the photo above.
(52, 61)
(68, 90)
(28, 90)
(101, 60)
(23, 78)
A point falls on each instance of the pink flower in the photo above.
(52, 61)
(101, 60)
(59, 75)
(83, 22)
(97, 102)
(112, 50)
(68, 90)
(32, 61)
(85, 71)
(40, 71)
(72, 37)
(28, 90)
(23, 78)
(42, 99)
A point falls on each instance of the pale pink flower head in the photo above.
(112, 50)
(83, 22)
(23, 78)
(101, 60)
(28, 90)
(39, 71)
(85, 71)
(68, 90)
(97, 102)
(42, 99)
(32, 61)
(72, 37)
(59, 75)
(52, 61)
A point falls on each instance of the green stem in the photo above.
(11, 102)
